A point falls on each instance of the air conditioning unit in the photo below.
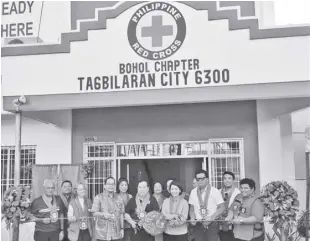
(21, 40)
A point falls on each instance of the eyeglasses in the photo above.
(50, 188)
(200, 179)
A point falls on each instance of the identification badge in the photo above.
(203, 211)
(54, 216)
(119, 205)
(141, 215)
(243, 210)
(83, 224)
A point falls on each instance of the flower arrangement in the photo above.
(302, 224)
(27, 169)
(16, 203)
(87, 169)
(281, 207)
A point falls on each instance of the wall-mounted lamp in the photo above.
(19, 101)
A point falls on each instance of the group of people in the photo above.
(206, 214)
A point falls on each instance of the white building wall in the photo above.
(300, 120)
(53, 142)
(287, 149)
(269, 145)
(281, 152)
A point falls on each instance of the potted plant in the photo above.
(303, 224)
(16, 207)
(281, 207)
(87, 169)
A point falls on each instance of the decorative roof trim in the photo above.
(109, 13)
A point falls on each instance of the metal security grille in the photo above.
(102, 156)
(221, 155)
(28, 157)
(225, 155)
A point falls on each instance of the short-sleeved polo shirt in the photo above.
(215, 199)
(40, 210)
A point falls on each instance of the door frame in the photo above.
(206, 154)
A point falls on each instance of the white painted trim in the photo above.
(242, 166)
(119, 168)
(210, 170)
(160, 157)
(237, 8)
(206, 158)
(204, 163)
(161, 142)
(128, 172)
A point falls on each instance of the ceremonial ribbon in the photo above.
(188, 221)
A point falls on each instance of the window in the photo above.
(226, 155)
(102, 156)
(28, 157)
(222, 155)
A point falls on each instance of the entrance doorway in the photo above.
(160, 170)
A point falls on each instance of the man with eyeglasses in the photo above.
(109, 210)
(229, 193)
(206, 205)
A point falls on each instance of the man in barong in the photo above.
(48, 213)
(66, 196)
(109, 208)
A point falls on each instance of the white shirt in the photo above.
(215, 199)
(233, 195)
(70, 208)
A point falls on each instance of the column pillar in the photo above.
(287, 146)
(269, 146)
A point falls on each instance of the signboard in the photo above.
(158, 45)
(90, 138)
(31, 22)
(138, 150)
(155, 32)
(162, 149)
(20, 19)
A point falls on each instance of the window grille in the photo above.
(102, 156)
(226, 155)
(27, 159)
(222, 155)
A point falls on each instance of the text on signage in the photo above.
(17, 29)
